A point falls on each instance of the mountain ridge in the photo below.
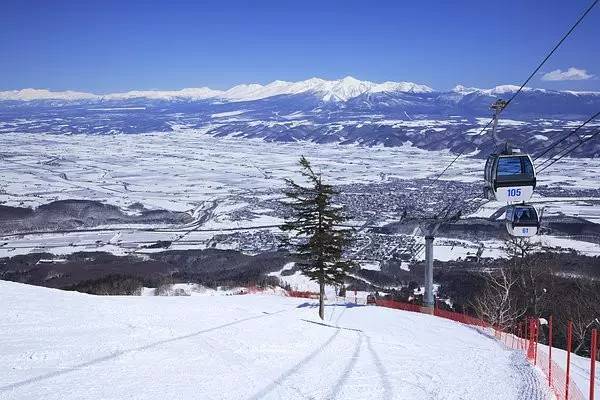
(344, 111)
(340, 90)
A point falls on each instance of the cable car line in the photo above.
(565, 36)
(558, 44)
(511, 176)
(552, 146)
(568, 151)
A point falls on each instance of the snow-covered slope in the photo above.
(64, 345)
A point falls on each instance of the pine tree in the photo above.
(316, 237)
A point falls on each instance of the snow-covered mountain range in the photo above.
(329, 90)
(343, 111)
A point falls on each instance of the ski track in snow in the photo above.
(116, 354)
(65, 345)
(532, 387)
(280, 381)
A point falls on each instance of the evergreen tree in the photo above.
(316, 237)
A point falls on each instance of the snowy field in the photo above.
(178, 171)
(65, 345)
(201, 174)
(212, 177)
(181, 170)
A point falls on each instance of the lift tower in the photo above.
(497, 106)
(429, 226)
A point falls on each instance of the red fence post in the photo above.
(569, 343)
(550, 351)
(593, 349)
(531, 347)
(512, 343)
(537, 334)
(526, 334)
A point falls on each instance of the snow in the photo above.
(329, 90)
(447, 249)
(194, 289)
(583, 207)
(67, 345)
(122, 170)
(374, 266)
(188, 93)
(504, 121)
(299, 282)
(336, 90)
(44, 94)
(115, 109)
(228, 114)
(580, 368)
(582, 92)
(461, 89)
(501, 89)
(199, 167)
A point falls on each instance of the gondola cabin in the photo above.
(510, 177)
(522, 220)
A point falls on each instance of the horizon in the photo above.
(457, 86)
(113, 47)
(290, 200)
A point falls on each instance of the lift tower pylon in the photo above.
(497, 106)
(429, 227)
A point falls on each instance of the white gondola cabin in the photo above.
(522, 220)
(510, 177)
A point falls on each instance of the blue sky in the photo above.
(109, 46)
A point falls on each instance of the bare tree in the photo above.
(496, 303)
(580, 304)
(518, 248)
(531, 271)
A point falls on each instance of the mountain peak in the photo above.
(339, 90)
(342, 89)
(351, 80)
(461, 89)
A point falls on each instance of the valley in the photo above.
(139, 195)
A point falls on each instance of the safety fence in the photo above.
(524, 336)
(302, 294)
(253, 289)
(398, 305)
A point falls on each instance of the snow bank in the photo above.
(66, 345)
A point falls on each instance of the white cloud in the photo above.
(572, 74)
